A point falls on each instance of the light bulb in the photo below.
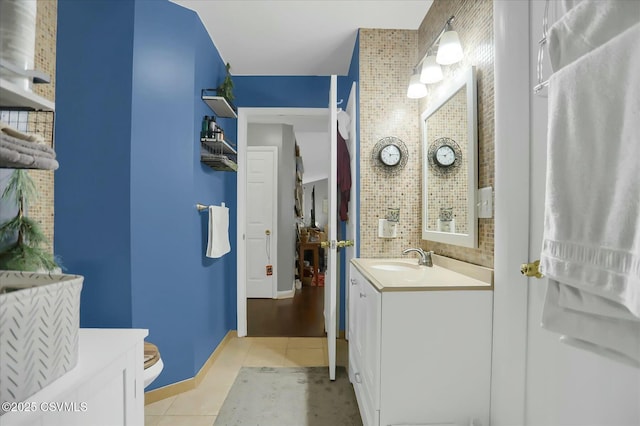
(450, 50)
(431, 71)
(416, 89)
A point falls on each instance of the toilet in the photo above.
(152, 363)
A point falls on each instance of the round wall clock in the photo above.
(444, 155)
(390, 153)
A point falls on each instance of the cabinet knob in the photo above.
(363, 295)
(353, 281)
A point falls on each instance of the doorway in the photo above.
(289, 311)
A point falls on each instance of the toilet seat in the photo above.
(153, 364)
(151, 354)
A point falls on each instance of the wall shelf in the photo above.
(219, 155)
(219, 105)
(219, 162)
(218, 147)
(14, 97)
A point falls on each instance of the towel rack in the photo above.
(202, 207)
(542, 83)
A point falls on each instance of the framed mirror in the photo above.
(449, 164)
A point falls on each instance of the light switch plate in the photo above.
(485, 202)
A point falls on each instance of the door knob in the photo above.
(531, 269)
(339, 244)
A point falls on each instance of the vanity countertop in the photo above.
(404, 274)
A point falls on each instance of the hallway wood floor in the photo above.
(300, 316)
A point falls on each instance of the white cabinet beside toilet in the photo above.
(419, 356)
(105, 387)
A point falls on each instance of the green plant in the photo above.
(226, 88)
(25, 254)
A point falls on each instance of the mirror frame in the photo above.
(466, 78)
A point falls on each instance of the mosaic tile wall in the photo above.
(474, 24)
(387, 58)
(45, 60)
(386, 61)
(449, 190)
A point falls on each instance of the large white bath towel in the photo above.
(587, 25)
(615, 338)
(591, 240)
(218, 244)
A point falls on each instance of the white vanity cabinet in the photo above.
(105, 388)
(364, 345)
(419, 355)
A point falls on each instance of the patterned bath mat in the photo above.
(301, 396)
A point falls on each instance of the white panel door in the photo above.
(565, 385)
(352, 223)
(331, 277)
(536, 379)
(261, 218)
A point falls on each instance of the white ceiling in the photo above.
(298, 37)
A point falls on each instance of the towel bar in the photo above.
(542, 83)
(202, 207)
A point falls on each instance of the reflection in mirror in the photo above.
(449, 138)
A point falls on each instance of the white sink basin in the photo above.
(395, 266)
(405, 274)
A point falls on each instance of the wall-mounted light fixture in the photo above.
(449, 52)
(416, 89)
(431, 71)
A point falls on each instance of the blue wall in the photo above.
(281, 92)
(92, 134)
(186, 300)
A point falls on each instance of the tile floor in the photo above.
(199, 407)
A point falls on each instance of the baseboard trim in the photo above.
(287, 294)
(188, 384)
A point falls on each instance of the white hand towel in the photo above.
(591, 236)
(588, 25)
(218, 244)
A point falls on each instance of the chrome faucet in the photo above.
(425, 256)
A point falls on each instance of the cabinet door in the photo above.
(371, 321)
(358, 316)
(355, 324)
